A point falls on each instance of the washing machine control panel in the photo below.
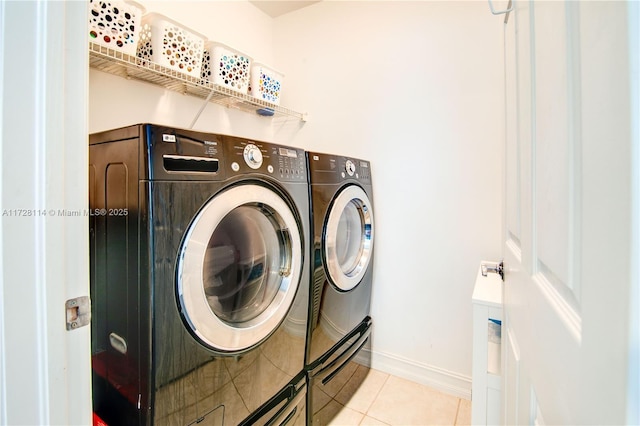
(252, 156)
(289, 163)
(281, 162)
(350, 168)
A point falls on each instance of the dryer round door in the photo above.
(348, 238)
(239, 268)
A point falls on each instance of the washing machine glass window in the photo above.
(245, 260)
(239, 268)
(348, 239)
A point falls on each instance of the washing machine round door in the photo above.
(348, 238)
(239, 268)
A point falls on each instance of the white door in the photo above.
(571, 220)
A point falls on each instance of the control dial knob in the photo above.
(351, 168)
(253, 156)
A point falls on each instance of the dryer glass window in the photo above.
(350, 228)
(348, 238)
(245, 260)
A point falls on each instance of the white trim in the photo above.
(3, 388)
(74, 406)
(633, 385)
(437, 378)
(41, 128)
(560, 304)
(44, 150)
(26, 352)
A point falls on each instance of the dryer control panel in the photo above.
(326, 168)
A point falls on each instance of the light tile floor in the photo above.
(383, 399)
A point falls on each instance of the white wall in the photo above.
(415, 87)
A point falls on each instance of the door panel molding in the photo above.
(557, 148)
(566, 313)
(515, 249)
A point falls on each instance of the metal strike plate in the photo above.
(78, 312)
(493, 267)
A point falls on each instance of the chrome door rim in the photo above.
(204, 323)
(347, 281)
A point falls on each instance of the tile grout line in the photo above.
(455, 420)
(366, 414)
(328, 396)
(333, 398)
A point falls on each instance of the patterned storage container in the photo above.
(168, 43)
(226, 67)
(115, 24)
(266, 83)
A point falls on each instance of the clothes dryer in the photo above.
(199, 278)
(342, 230)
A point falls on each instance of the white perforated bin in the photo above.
(226, 67)
(168, 43)
(266, 83)
(115, 24)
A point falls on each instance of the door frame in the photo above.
(44, 369)
(633, 385)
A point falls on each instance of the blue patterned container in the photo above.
(266, 83)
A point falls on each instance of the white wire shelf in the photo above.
(131, 67)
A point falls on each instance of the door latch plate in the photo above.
(78, 312)
(493, 267)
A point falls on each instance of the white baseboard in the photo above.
(437, 378)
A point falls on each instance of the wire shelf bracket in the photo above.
(500, 12)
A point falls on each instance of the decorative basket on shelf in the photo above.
(166, 42)
(266, 83)
(115, 24)
(225, 66)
